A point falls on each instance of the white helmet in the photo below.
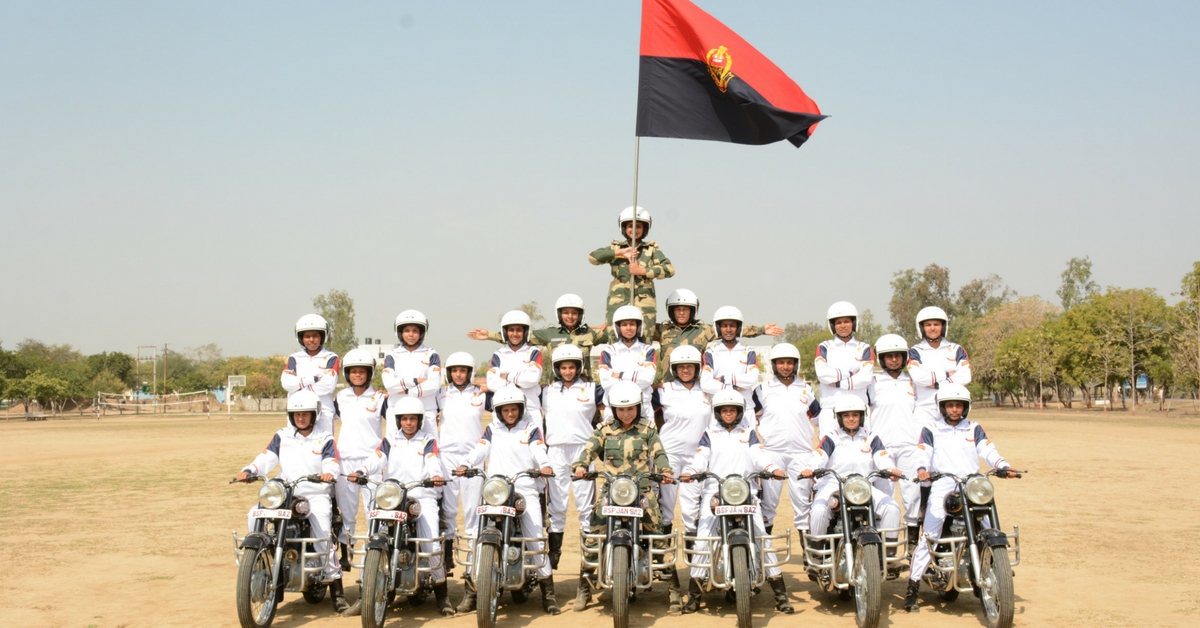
(642, 216)
(312, 322)
(568, 300)
(840, 309)
(685, 354)
(728, 313)
(411, 317)
(516, 317)
(460, 358)
(626, 395)
(683, 296)
(358, 357)
(849, 403)
(567, 353)
(784, 350)
(303, 401)
(932, 313)
(728, 397)
(627, 313)
(408, 405)
(891, 343)
(950, 391)
(507, 396)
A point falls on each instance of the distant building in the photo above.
(376, 348)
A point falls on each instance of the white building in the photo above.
(375, 347)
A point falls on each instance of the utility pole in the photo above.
(164, 375)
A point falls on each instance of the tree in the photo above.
(1077, 285)
(911, 291)
(1135, 322)
(975, 299)
(531, 310)
(40, 387)
(992, 329)
(868, 330)
(797, 332)
(338, 310)
(1185, 331)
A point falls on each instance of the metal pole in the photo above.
(637, 150)
(228, 399)
(164, 374)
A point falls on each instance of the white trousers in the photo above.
(466, 489)
(908, 459)
(347, 494)
(799, 491)
(935, 517)
(708, 527)
(561, 457)
(319, 515)
(688, 495)
(427, 527)
(531, 526)
(887, 513)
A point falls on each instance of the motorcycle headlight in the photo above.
(272, 494)
(857, 491)
(623, 491)
(301, 507)
(388, 496)
(980, 490)
(414, 509)
(495, 492)
(735, 491)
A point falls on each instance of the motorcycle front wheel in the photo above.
(996, 589)
(256, 599)
(741, 583)
(867, 579)
(315, 595)
(620, 590)
(487, 597)
(377, 570)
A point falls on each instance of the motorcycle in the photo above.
(852, 556)
(735, 556)
(972, 553)
(277, 555)
(392, 558)
(621, 558)
(497, 555)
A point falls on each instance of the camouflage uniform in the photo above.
(552, 338)
(657, 266)
(615, 450)
(697, 334)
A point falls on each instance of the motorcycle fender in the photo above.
(379, 541)
(868, 536)
(256, 541)
(993, 538)
(738, 536)
(491, 536)
(621, 538)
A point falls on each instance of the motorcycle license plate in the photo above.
(267, 513)
(507, 511)
(744, 509)
(394, 515)
(621, 511)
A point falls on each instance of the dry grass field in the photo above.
(126, 522)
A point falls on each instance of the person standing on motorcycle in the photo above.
(731, 447)
(785, 429)
(953, 444)
(570, 405)
(510, 445)
(571, 330)
(628, 360)
(893, 420)
(682, 413)
(299, 450)
(729, 364)
(626, 443)
(462, 404)
(636, 269)
(412, 369)
(518, 364)
(361, 410)
(935, 361)
(314, 368)
(844, 365)
(851, 450)
(396, 459)
(682, 328)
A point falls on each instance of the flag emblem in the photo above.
(719, 64)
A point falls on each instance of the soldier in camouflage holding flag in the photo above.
(683, 328)
(633, 272)
(570, 330)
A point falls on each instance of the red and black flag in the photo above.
(698, 80)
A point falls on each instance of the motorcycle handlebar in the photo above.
(469, 473)
(886, 474)
(248, 480)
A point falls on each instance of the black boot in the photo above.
(910, 596)
(448, 556)
(467, 605)
(549, 604)
(585, 593)
(345, 558)
(914, 533)
(556, 539)
(338, 595)
(781, 599)
(694, 594)
(441, 593)
(673, 593)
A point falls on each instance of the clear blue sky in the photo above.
(197, 172)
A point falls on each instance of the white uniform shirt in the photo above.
(628, 363)
(462, 418)
(834, 362)
(788, 415)
(510, 451)
(723, 452)
(362, 418)
(686, 414)
(893, 402)
(402, 372)
(569, 411)
(957, 449)
(521, 368)
(298, 456)
(406, 460)
(317, 373)
(929, 367)
(731, 368)
(861, 453)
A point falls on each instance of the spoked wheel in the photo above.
(996, 587)
(487, 596)
(867, 580)
(315, 595)
(375, 595)
(256, 599)
(620, 590)
(741, 584)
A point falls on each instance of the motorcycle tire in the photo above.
(996, 588)
(948, 596)
(741, 584)
(868, 575)
(418, 598)
(256, 601)
(487, 597)
(375, 594)
(315, 595)
(620, 590)
(519, 596)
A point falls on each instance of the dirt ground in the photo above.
(126, 522)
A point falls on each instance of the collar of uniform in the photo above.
(637, 344)
(721, 346)
(402, 349)
(678, 385)
(517, 427)
(641, 243)
(963, 425)
(579, 329)
(838, 341)
(695, 323)
(924, 344)
(469, 389)
(509, 348)
(774, 381)
(369, 392)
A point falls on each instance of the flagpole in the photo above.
(637, 149)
